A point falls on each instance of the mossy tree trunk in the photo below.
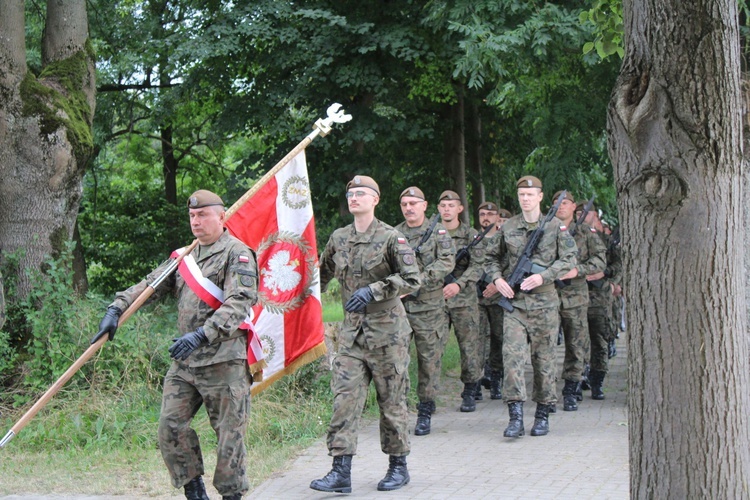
(45, 131)
(675, 139)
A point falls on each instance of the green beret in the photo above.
(488, 205)
(363, 181)
(203, 198)
(412, 191)
(568, 196)
(449, 195)
(529, 181)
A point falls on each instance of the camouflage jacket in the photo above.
(591, 259)
(485, 278)
(556, 253)
(467, 272)
(602, 296)
(230, 265)
(381, 259)
(436, 259)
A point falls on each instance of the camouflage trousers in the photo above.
(575, 328)
(600, 331)
(430, 336)
(353, 369)
(224, 389)
(465, 321)
(491, 326)
(538, 329)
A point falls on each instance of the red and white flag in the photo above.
(277, 222)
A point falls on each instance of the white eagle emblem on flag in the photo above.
(281, 274)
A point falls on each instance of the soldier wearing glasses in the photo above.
(375, 267)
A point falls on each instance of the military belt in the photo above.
(543, 289)
(578, 281)
(374, 307)
(424, 296)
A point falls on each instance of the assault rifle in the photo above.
(464, 254)
(422, 241)
(614, 240)
(427, 234)
(524, 266)
(574, 230)
(582, 217)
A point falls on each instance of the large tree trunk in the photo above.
(45, 131)
(675, 137)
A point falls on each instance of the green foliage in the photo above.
(331, 301)
(606, 17)
(52, 327)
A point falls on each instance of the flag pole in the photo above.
(322, 127)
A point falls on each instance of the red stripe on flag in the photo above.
(256, 218)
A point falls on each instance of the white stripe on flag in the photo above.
(294, 220)
(270, 327)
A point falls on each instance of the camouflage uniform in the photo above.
(463, 308)
(535, 318)
(491, 320)
(215, 374)
(574, 301)
(372, 346)
(426, 313)
(601, 323)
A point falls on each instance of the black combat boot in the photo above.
(424, 414)
(515, 426)
(236, 496)
(478, 395)
(469, 403)
(195, 489)
(612, 349)
(596, 378)
(496, 385)
(541, 420)
(339, 479)
(487, 378)
(570, 401)
(585, 380)
(397, 475)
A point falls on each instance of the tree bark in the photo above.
(455, 154)
(675, 142)
(45, 132)
(474, 160)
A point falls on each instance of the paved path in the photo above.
(585, 455)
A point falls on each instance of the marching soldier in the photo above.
(375, 267)
(535, 319)
(602, 287)
(216, 290)
(574, 297)
(490, 313)
(425, 308)
(460, 295)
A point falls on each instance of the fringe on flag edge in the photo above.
(305, 358)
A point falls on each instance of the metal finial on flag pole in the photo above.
(321, 127)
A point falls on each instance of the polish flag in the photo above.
(277, 222)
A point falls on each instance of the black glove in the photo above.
(359, 300)
(185, 345)
(108, 324)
